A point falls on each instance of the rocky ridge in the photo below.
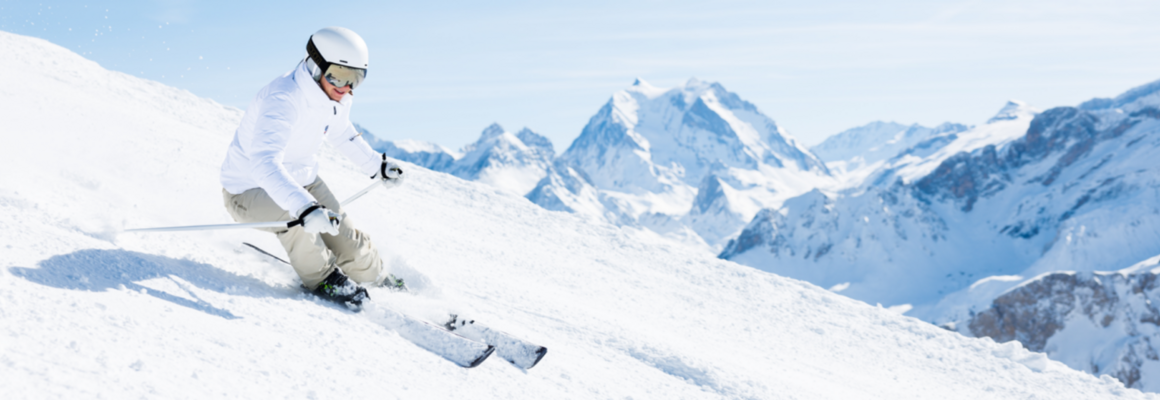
(1098, 322)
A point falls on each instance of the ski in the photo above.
(518, 352)
(462, 351)
(461, 341)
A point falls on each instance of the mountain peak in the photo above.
(535, 140)
(515, 162)
(648, 90)
(1012, 110)
(491, 131)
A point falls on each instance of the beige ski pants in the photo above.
(313, 255)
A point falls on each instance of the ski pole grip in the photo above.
(302, 216)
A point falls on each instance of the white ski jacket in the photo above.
(276, 146)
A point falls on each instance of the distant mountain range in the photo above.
(510, 161)
(866, 145)
(1025, 193)
(998, 229)
(694, 163)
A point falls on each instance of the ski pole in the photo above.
(248, 225)
(361, 193)
(255, 225)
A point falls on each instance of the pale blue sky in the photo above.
(442, 71)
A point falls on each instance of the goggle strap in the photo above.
(316, 56)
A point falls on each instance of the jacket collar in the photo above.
(313, 91)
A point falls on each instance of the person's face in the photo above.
(335, 93)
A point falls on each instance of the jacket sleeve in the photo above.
(268, 149)
(355, 148)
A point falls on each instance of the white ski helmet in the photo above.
(338, 46)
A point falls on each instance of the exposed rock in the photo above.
(1102, 322)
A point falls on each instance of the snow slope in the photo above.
(88, 313)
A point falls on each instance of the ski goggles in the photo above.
(341, 75)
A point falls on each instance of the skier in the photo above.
(271, 168)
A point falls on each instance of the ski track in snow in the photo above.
(88, 313)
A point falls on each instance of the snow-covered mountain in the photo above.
(945, 227)
(1034, 200)
(862, 147)
(86, 312)
(515, 162)
(510, 161)
(1009, 124)
(694, 162)
(679, 135)
(877, 234)
(429, 155)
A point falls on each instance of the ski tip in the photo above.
(540, 353)
(479, 360)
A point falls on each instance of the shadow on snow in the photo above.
(101, 270)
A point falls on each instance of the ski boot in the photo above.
(340, 289)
